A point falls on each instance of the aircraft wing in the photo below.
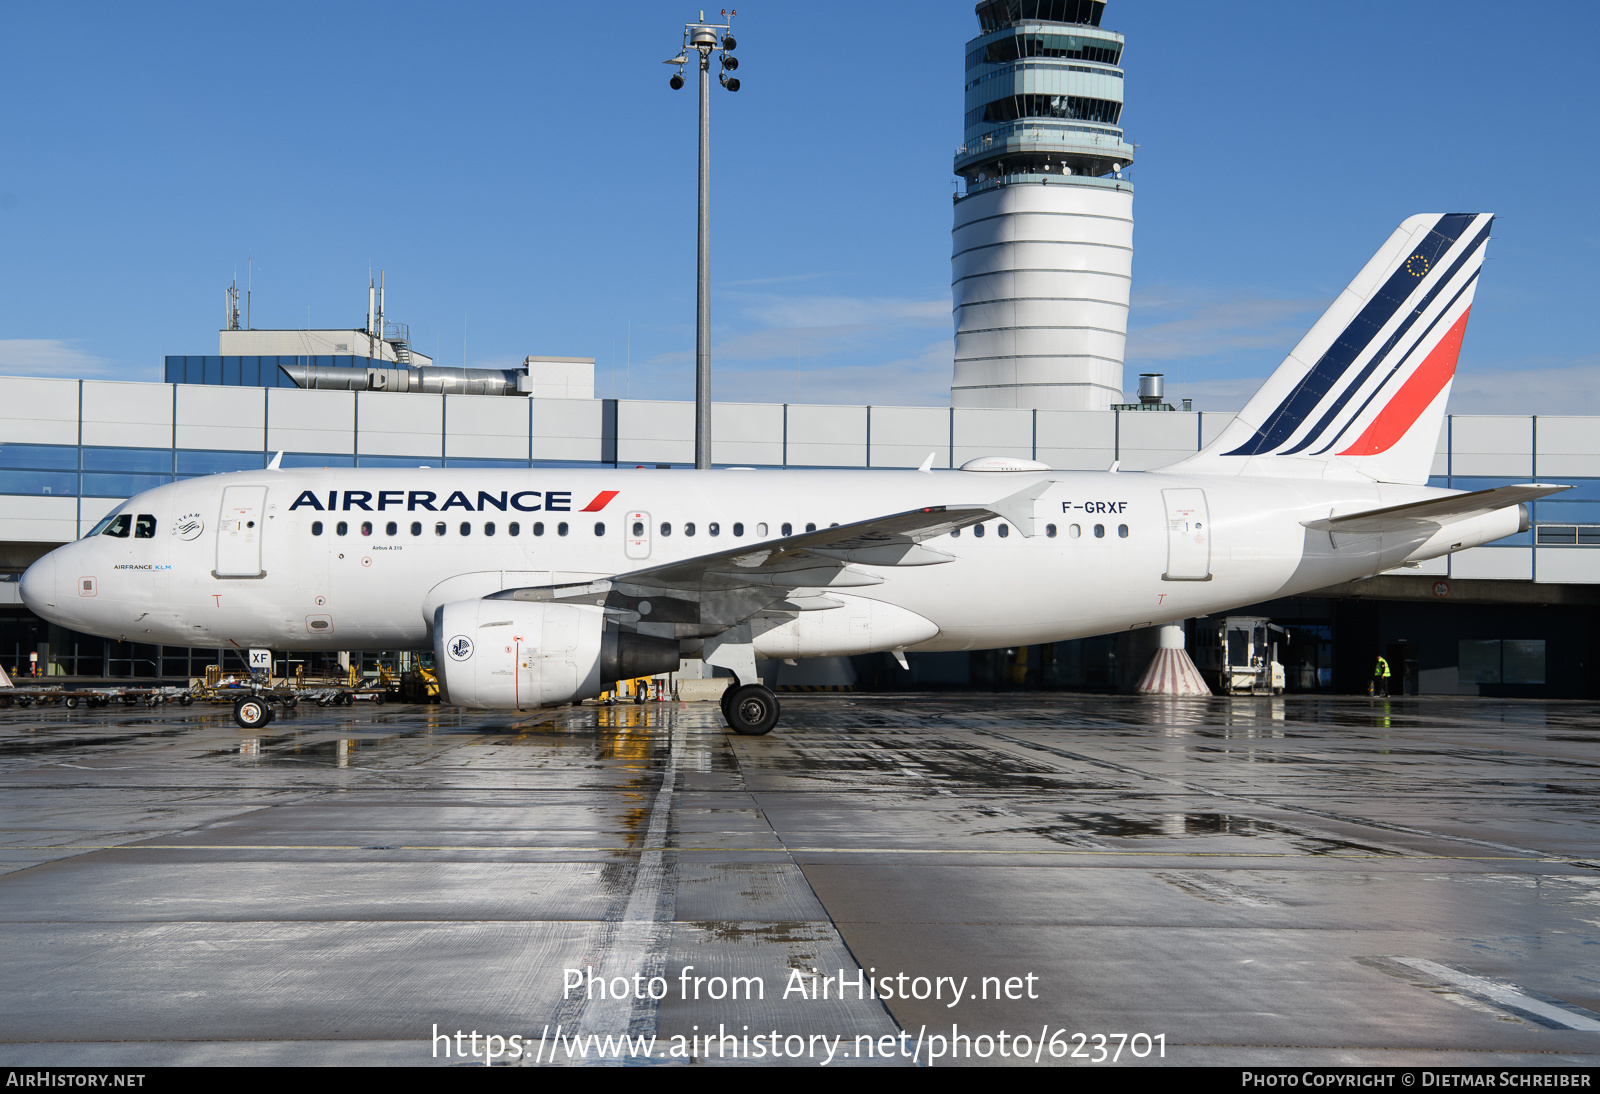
(1434, 513)
(709, 593)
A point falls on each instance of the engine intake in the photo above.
(514, 655)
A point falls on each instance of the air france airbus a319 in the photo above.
(538, 587)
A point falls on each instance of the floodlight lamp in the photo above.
(730, 82)
(676, 81)
(730, 63)
(728, 42)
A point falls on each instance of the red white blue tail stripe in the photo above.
(1375, 370)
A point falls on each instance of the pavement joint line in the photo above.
(682, 849)
(1192, 788)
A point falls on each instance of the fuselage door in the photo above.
(636, 535)
(1188, 535)
(239, 528)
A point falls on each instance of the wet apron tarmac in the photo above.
(893, 880)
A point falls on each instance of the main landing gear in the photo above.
(750, 710)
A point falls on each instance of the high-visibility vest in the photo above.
(1381, 668)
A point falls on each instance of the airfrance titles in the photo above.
(523, 501)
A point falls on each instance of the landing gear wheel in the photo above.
(752, 710)
(251, 713)
(727, 693)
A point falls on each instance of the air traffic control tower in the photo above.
(1043, 239)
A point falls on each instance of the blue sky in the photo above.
(526, 178)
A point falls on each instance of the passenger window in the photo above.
(1050, 531)
(714, 528)
(561, 529)
(488, 527)
(538, 527)
(316, 527)
(1099, 531)
(688, 528)
(761, 529)
(341, 528)
(391, 528)
(666, 529)
(599, 528)
(416, 527)
(118, 528)
(144, 526)
(811, 527)
(466, 528)
(440, 528)
(738, 528)
(788, 529)
(977, 530)
(366, 527)
(1075, 531)
(1122, 531)
(955, 533)
(638, 527)
(1003, 531)
(513, 529)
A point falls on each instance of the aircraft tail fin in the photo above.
(1363, 395)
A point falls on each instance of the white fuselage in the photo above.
(413, 540)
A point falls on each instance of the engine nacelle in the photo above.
(514, 655)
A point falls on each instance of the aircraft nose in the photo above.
(39, 585)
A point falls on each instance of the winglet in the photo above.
(276, 464)
(927, 464)
(1018, 508)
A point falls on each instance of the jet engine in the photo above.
(513, 655)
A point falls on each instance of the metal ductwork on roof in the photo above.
(436, 380)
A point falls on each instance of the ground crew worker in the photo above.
(1380, 677)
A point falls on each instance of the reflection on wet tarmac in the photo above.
(1347, 876)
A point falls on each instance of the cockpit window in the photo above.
(144, 526)
(119, 526)
(101, 527)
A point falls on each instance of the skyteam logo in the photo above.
(459, 647)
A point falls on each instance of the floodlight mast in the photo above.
(705, 38)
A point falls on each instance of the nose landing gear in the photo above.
(251, 712)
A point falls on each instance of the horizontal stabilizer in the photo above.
(1434, 511)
